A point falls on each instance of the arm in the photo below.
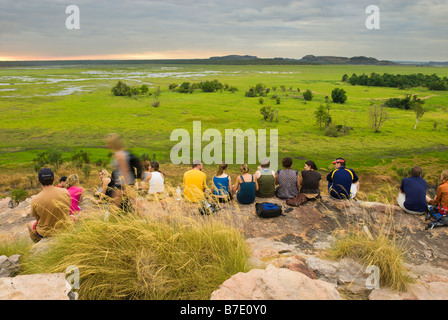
(236, 185)
(256, 184)
(230, 186)
(299, 181)
(124, 167)
(276, 178)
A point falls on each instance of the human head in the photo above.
(265, 163)
(63, 181)
(45, 176)
(339, 162)
(114, 142)
(311, 165)
(146, 165)
(416, 171)
(197, 164)
(72, 180)
(222, 167)
(154, 165)
(244, 168)
(444, 175)
(287, 162)
(104, 174)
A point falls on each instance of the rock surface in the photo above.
(274, 284)
(49, 286)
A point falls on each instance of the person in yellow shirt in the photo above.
(194, 183)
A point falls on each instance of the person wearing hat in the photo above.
(49, 207)
(266, 180)
(343, 183)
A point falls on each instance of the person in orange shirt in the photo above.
(194, 183)
(441, 198)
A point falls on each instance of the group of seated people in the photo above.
(413, 197)
(57, 202)
(264, 183)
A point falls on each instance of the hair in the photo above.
(72, 179)
(115, 142)
(311, 164)
(266, 164)
(46, 182)
(444, 175)
(196, 163)
(287, 162)
(105, 173)
(146, 165)
(416, 171)
(221, 168)
(244, 168)
(154, 165)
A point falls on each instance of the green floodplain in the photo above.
(72, 107)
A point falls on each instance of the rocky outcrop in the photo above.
(9, 266)
(49, 286)
(274, 284)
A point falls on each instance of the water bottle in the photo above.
(178, 193)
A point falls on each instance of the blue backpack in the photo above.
(268, 210)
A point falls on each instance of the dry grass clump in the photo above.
(124, 257)
(372, 241)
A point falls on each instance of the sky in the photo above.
(409, 30)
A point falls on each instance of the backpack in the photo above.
(268, 210)
(438, 215)
(135, 166)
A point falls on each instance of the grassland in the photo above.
(38, 114)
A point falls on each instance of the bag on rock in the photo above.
(298, 200)
(268, 210)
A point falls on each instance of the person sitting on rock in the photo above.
(441, 198)
(343, 183)
(265, 179)
(49, 207)
(412, 196)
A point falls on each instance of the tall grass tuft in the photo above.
(372, 241)
(151, 258)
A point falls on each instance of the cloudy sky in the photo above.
(411, 30)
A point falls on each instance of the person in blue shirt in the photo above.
(412, 196)
(343, 183)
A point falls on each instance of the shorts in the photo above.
(35, 231)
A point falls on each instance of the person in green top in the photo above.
(265, 179)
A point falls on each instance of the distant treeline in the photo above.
(432, 82)
(256, 61)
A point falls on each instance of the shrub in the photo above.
(80, 157)
(338, 95)
(269, 114)
(153, 259)
(120, 89)
(18, 195)
(308, 95)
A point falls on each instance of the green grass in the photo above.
(145, 259)
(34, 121)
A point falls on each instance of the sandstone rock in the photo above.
(346, 273)
(295, 263)
(9, 266)
(49, 286)
(274, 284)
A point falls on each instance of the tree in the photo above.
(120, 89)
(419, 110)
(338, 95)
(322, 116)
(377, 116)
(308, 95)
